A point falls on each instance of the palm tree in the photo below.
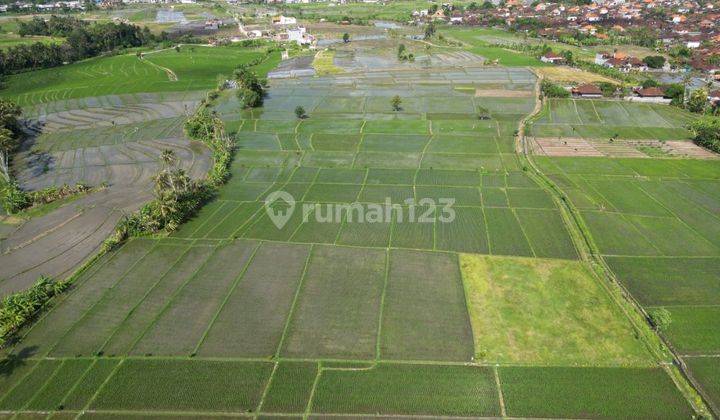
(167, 157)
(8, 143)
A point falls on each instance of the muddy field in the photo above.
(112, 145)
(580, 147)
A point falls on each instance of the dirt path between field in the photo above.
(171, 74)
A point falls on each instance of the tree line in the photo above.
(82, 40)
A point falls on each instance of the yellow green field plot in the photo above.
(323, 63)
(336, 313)
(570, 392)
(564, 307)
(423, 314)
(603, 119)
(408, 389)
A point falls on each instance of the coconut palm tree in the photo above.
(8, 143)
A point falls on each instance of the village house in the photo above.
(298, 35)
(620, 61)
(552, 58)
(654, 95)
(438, 15)
(587, 90)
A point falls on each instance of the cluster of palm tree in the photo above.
(172, 189)
(9, 135)
(18, 309)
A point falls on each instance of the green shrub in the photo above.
(551, 90)
(660, 318)
(707, 133)
(13, 198)
(18, 309)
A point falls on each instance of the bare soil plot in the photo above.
(581, 147)
(251, 322)
(182, 325)
(502, 93)
(564, 74)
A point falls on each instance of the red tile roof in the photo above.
(587, 89)
(651, 92)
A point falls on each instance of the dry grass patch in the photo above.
(503, 93)
(323, 63)
(570, 75)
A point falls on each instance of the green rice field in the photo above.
(603, 119)
(400, 304)
(657, 223)
(476, 43)
(194, 67)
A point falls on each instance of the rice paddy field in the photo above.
(656, 223)
(477, 42)
(231, 315)
(410, 315)
(193, 68)
(603, 119)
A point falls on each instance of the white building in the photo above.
(298, 35)
(284, 20)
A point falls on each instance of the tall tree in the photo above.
(396, 103)
(8, 143)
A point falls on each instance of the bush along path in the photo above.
(588, 251)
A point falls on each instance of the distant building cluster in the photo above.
(45, 7)
(691, 24)
(639, 94)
